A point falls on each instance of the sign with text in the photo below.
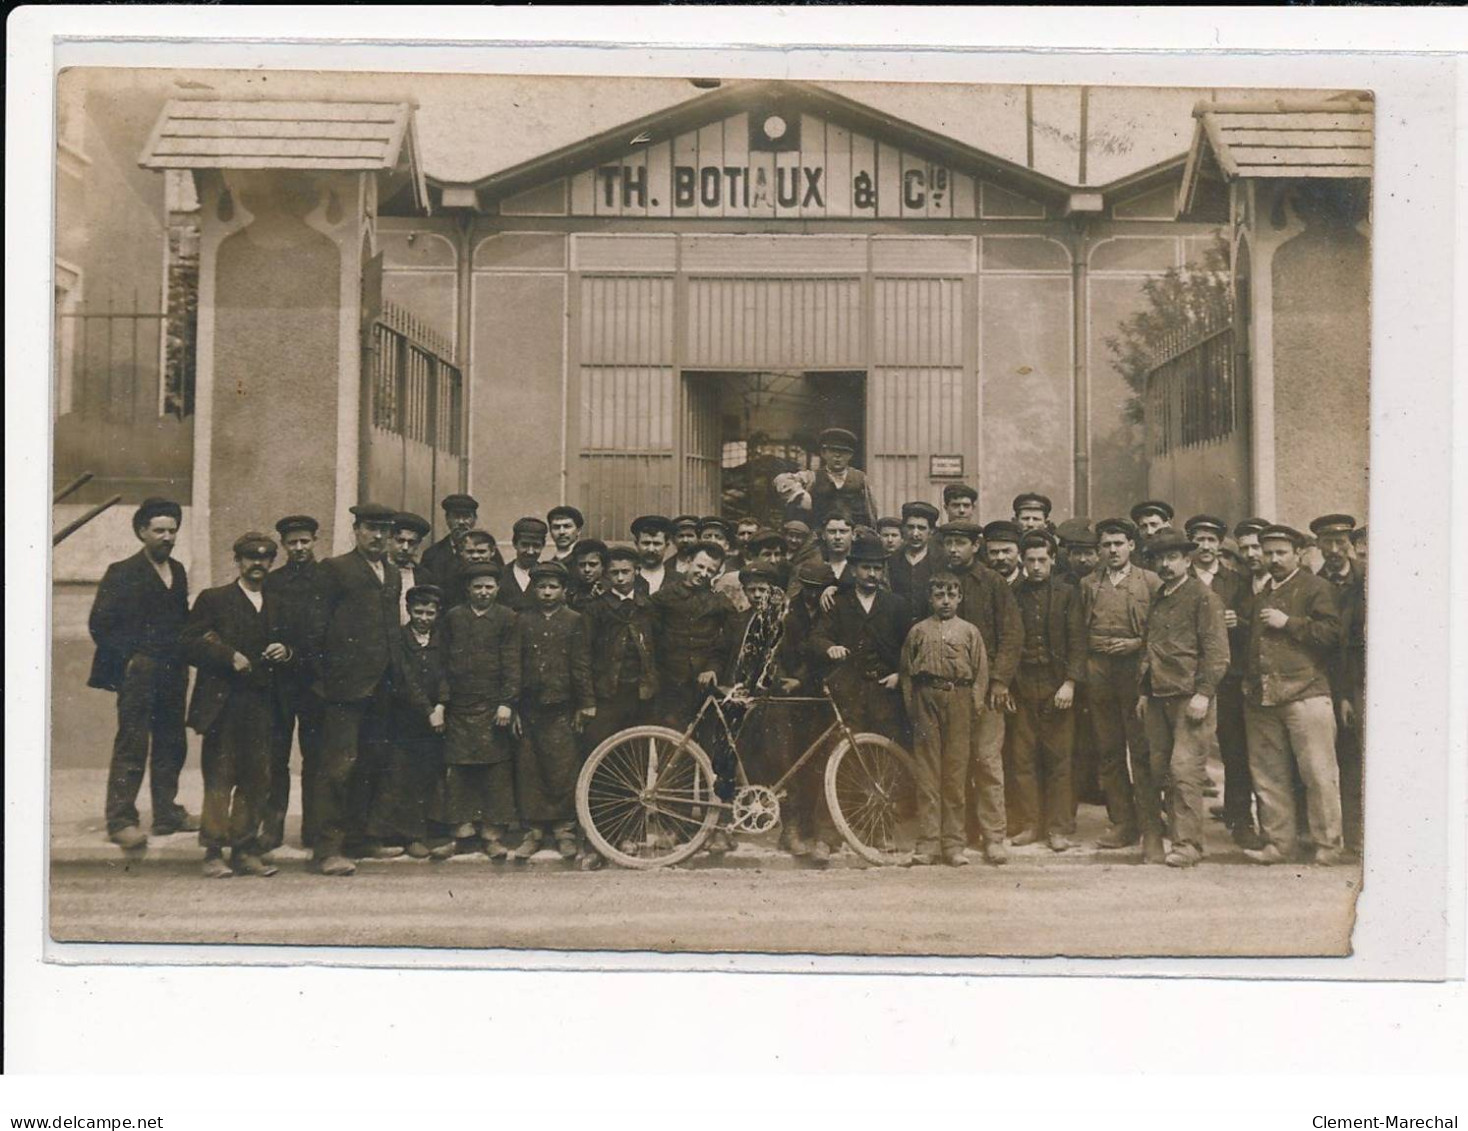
(945, 467)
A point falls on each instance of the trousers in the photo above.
(1289, 737)
(1179, 754)
(1233, 751)
(1349, 748)
(150, 737)
(1133, 800)
(547, 763)
(300, 708)
(984, 811)
(236, 764)
(352, 740)
(942, 725)
(622, 709)
(1041, 743)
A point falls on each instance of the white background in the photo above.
(383, 1022)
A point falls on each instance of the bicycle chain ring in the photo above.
(756, 809)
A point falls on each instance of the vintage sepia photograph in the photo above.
(709, 515)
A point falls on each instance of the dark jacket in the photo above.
(987, 602)
(1292, 663)
(555, 660)
(134, 613)
(874, 639)
(1186, 650)
(358, 631)
(481, 658)
(1065, 632)
(417, 677)
(223, 622)
(853, 495)
(795, 659)
(511, 595)
(619, 629)
(1233, 589)
(1348, 669)
(910, 582)
(295, 592)
(439, 564)
(693, 631)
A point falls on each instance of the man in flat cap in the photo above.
(408, 532)
(294, 589)
(1294, 637)
(235, 638)
(889, 530)
(988, 604)
(769, 547)
(528, 541)
(564, 524)
(650, 534)
(1115, 601)
(960, 501)
(684, 538)
(908, 570)
(1001, 550)
(1078, 559)
(471, 548)
(1150, 516)
(1334, 538)
(359, 632)
(461, 513)
(141, 606)
(1031, 511)
(1184, 659)
(739, 554)
(835, 483)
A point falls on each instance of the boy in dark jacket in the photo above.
(233, 637)
(410, 797)
(481, 682)
(619, 627)
(556, 703)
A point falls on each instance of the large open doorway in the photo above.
(742, 429)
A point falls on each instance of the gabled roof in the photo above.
(1280, 138)
(734, 98)
(354, 136)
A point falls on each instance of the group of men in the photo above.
(444, 698)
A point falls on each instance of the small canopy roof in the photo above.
(1281, 139)
(260, 134)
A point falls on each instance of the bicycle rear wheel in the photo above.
(871, 789)
(645, 797)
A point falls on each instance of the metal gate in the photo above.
(702, 447)
(413, 416)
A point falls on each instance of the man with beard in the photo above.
(1184, 658)
(1333, 534)
(439, 561)
(293, 589)
(1294, 637)
(684, 535)
(1001, 550)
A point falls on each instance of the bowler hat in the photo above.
(814, 571)
(1031, 500)
(1002, 530)
(564, 511)
(374, 513)
(867, 548)
(155, 507)
(921, 509)
(1332, 524)
(296, 522)
(651, 524)
(407, 520)
(1166, 541)
(838, 438)
(420, 593)
(1206, 522)
(1152, 506)
(254, 545)
(460, 503)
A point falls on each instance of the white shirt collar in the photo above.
(255, 597)
(867, 599)
(522, 576)
(163, 570)
(1169, 590)
(1276, 584)
(839, 568)
(628, 596)
(1117, 575)
(839, 480)
(422, 640)
(1260, 583)
(1206, 576)
(914, 560)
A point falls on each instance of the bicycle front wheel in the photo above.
(646, 797)
(871, 789)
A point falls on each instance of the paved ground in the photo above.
(1079, 903)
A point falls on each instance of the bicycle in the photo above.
(646, 798)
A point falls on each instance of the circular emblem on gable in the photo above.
(775, 127)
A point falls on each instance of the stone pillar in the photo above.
(279, 354)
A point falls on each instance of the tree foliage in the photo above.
(1180, 307)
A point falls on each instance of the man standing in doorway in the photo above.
(141, 607)
(836, 484)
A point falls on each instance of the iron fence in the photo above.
(1193, 394)
(417, 390)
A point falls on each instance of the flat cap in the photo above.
(155, 507)
(1249, 526)
(651, 524)
(480, 569)
(565, 511)
(1168, 540)
(554, 570)
(254, 545)
(407, 520)
(621, 552)
(892, 521)
(714, 522)
(459, 503)
(764, 537)
(1118, 525)
(794, 526)
(920, 509)
(1031, 500)
(1277, 531)
(1206, 522)
(1152, 506)
(296, 522)
(1076, 532)
(1002, 530)
(373, 512)
(758, 571)
(1332, 524)
(960, 491)
(963, 527)
(420, 593)
(530, 525)
(685, 522)
(838, 438)
(815, 572)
